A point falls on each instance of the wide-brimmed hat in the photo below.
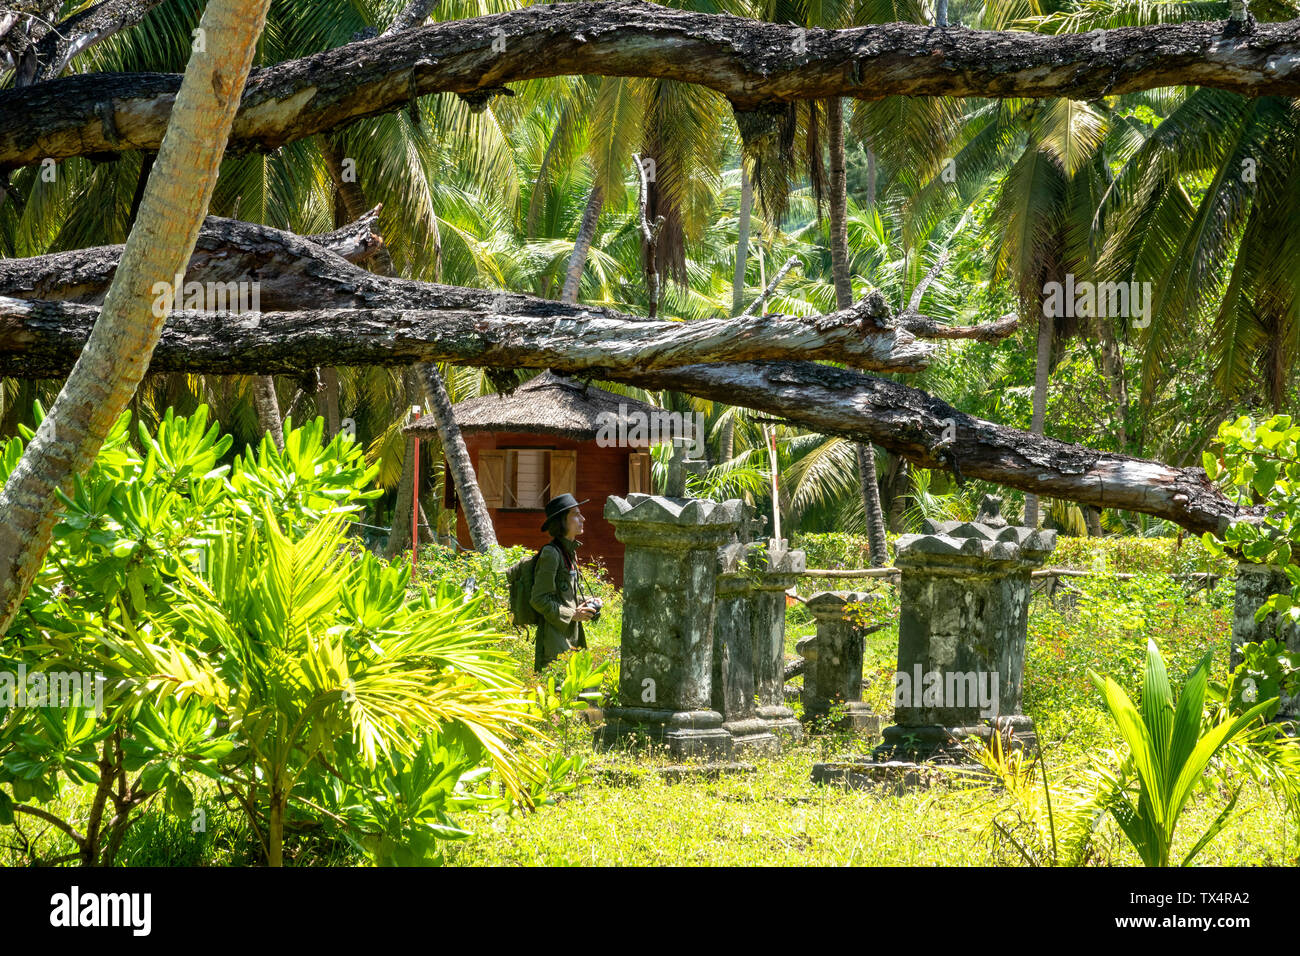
(559, 505)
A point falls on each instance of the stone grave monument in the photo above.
(1255, 582)
(669, 580)
(964, 598)
(833, 661)
(749, 642)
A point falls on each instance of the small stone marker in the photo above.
(833, 661)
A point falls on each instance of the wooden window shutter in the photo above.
(638, 473)
(492, 477)
(564, 473)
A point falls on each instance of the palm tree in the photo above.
(1224, 264)
(839, 212)
(163, 238)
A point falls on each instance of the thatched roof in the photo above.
(550, 404)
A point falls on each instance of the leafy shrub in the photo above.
(243, 638)
(1133, 555)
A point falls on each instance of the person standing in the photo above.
(556, 585)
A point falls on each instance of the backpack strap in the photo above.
(571, 566)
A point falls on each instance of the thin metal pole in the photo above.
(415, 502)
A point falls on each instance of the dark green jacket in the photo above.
(556, 596)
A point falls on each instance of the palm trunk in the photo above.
(275, 836)
(866, 454)
(117, 354)
(453, 445)
(581, 245)
(481, 533)
(871, 177)
(330, 397)
(839, 206)
(742, 242)
(871, 504)
(727, 440)
(399, 535)
(1112, 366)
(1042, 362)
(268, 408)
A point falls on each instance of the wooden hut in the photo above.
(549, 436)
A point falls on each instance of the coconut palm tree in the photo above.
(115, 357)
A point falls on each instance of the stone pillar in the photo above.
(669, 576)
(964, 598)
(833, 660)
(749, 643)
(1255, 583)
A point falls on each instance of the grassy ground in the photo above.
(628, 815)
(777, 816)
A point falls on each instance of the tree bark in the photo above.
(910, 423)
(727, 439)
(40, 339)
(839, 205)
(1041, 372)
(843, 281)
(917, 426)
(582, 244)
(866, 455)
(753, 64)
(453, 445)
(742, 241)
(1112, 367)
(330, 399)
(118, 351)
(78, 33)
(267, 406)
(227, 250)
(482, 535)
(871, 178)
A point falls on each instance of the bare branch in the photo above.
(756, 65)
(757, 304)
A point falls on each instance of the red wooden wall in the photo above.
(601, 472)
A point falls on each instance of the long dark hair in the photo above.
(555, 527)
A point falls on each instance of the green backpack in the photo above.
(521, 575)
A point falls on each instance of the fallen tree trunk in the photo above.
(752, 63)
(931, 433)
(228, 250)
(318, 309)
(42, 339)
(832, 401)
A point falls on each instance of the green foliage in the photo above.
(1128, 554)
(1116, 615)
(1260, 462)
(1267, 671)
(243, 640)
(834, 549)
(1170, 747)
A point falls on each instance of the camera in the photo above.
(595, 604)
